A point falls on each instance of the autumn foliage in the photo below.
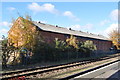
(115, 37)
(22, 33)
(72, 41)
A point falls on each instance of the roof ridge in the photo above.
(56, 28)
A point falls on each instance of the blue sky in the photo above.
(93, 17)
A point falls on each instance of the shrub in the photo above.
(72, 41)
(88, 47)
(59, 44)
(89, 44)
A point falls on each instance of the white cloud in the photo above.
(11, 8)
(112, 27)
(79, 27)
(70, 15)
(114, 14)
(104, 22)
(45, 7)
(5, 23)
(75, 27)
(88, 26)
(43, 21)
(36, 8)
(3, 31)
(106, 32)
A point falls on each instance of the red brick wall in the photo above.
(103, 45)
(50, 37)
(100, 44)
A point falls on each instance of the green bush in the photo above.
(89, 44)
(60, 50)
(88, 47)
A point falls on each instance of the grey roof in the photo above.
(47, 27)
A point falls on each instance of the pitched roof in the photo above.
(52, 28)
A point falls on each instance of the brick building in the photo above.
(50, 32)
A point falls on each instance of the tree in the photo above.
(114, 35)
(29, 33)
(72, 41)
(7, 52)
(22, 33)
(28, 17)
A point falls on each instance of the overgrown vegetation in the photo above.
(26, 35)
(23, 33)
(63, 50)
(115, 37)
(7, 53)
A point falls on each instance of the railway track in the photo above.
(28, 72)
(72, 77)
